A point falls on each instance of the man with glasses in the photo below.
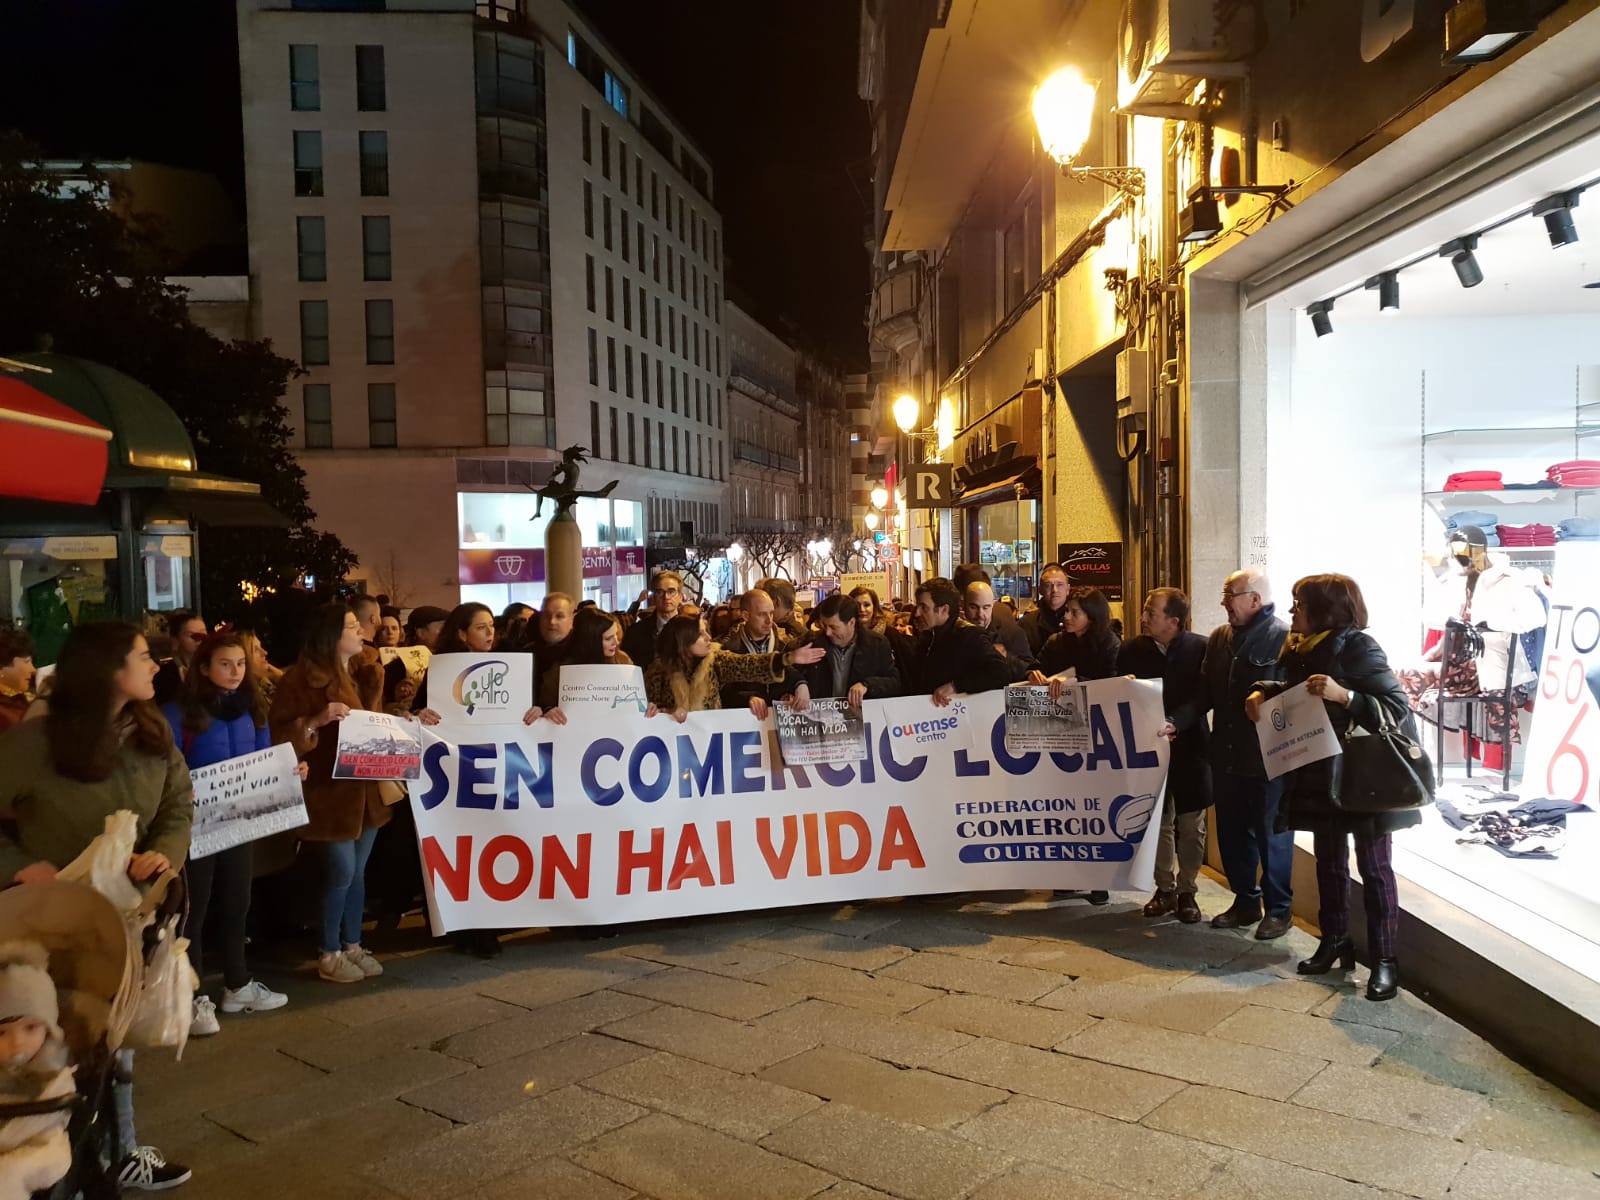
(1044, 622)
(666, 595)
(1239, 654)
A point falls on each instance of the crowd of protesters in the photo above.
(122, 728)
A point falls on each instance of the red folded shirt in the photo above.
(1474, 481)
(1579, 472)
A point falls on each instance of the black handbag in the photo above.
(1380, 771)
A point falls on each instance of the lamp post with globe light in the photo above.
(735, 556)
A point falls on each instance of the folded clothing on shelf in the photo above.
(1527, 535)
(1537, 485)
(1473, 481)
(1485, 521)
(1580, 472)
(1575, 529)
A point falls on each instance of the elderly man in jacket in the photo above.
(758, 633)
(1239, 654)
(950, 655)
(1167, 650)
(858, 662)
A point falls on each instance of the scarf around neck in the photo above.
(1304, 643)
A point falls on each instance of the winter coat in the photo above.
(56, 817)
(1236, 659)
(1008, 634)
(340, 809)
(1354, 659)
(670, 690)
(1041, 625)
(1089, 659)
(639, 641)
(956, 653)
(1179, 669)
(739, 641)
(872, 665)
(220, 740)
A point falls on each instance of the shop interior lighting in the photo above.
(1557, 213)
(1476, 31)
(1321, 314)
(1387, 285)
(1462, 257)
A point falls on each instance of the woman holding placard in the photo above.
(1329, 651)
(313, 697)
(219, 715)
(469, 629)
(596, 642)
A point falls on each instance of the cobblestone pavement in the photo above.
(1004, 1048)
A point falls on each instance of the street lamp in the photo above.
(1063, 112)
(872, 520)
(734, 553)
(880, 497)
(906, 411)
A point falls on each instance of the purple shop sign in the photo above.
(526, 565)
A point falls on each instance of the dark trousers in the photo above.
(1374, 859)
(222, 879)
(1247, 819)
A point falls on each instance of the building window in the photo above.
(655, 256)
(611, 363)
(658, 320)
(588, 121)
(622, 165)
(588, 281)
(615, 457)
(677, 464)
(646, 421)
(313, 333)
(638, 180)
(376, 261)
(605, 151)
(672, 376)
(661, 392)
(655, 196)
(616, 94)
(672, 331)
(318, 401)
(374, 145)
(661, 444)
(305, 87)
(594, 359)
(588, 209)
(380, 331)
(699, 411)
(307, 162)
(611, 311)
(371, 87)
(605, 220)
(633, 445)
(627, 371)
(638, 230)
(644, 322)
(381, 429)
(311, 240)
(623, 222)
(644, 376)
(594, 426)
(670, 288)
(627, 306)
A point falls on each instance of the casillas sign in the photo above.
(1093, 564)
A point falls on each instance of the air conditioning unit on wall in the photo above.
(1166, 47)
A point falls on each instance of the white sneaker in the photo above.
(254, 996)
(336, 968)
(145, 1170)
(369, 965)
(204, 1021)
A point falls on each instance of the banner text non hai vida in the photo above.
(674, 763)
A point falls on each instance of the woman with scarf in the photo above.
(1087, 642)
(689, 672)
(219, 715)
(1329, 651)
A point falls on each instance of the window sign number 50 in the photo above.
(1575, 693)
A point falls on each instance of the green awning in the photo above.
(146, 433)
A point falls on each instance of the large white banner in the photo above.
(633, 818)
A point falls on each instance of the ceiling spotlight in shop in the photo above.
(1387, 285)
(1477, 30)
(1321, 314)
(1557, 213)
(1461, 256)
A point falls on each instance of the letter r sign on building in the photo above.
(930, 485)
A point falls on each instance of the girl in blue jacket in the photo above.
(218, 715)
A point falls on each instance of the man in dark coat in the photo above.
(858, 664)
(1044, 622)
(1168, 651)
(783, 603)
(1001, 630)
(1239, 654)
(666, 594)
(950, 655)
(758, 633)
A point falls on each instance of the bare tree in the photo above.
(771, 549)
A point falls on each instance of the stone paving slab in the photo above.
(1210, 1060)
(953, 974)
(836, 949)
(474, 1095)
(1086, 1145)
(840, 985)
(666, 1157)
(542, 1027)
(731, 1045)
(984, 1016)
(1558, 1137)
(1250, 1177)
(1266, 989)
(1364, 1151)
(1077, 961)
(1032, 1182)
(917, 1163)
(736, 999)
(1302, 1033)
(816, 1022)
(737, 1105)
(343, 1047)
(555, 1177)
(740, 962)
(543, 985)
(915, 1096)
(1114, 1091)
(1490, 1175)
(1188, 1012)
(1402, 1103)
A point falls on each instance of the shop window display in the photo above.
(502, 549)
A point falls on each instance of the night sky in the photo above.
(766, 89)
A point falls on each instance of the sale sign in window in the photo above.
(1564, 748)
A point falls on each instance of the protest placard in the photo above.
(646, 818)
(378, 746)
(1036, 722)
(241, 799)
(827, 731)
(601, 689)
(415, 659)
(483, 689)
(1294, 729)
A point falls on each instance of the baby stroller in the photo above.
(97, 966)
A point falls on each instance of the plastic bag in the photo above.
(166, 1005)
(103, 865)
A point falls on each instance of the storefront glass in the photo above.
(50, 584)
(502, 549)
(1006, 542)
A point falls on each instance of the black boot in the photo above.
(1384, 982)
(1329, 950)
